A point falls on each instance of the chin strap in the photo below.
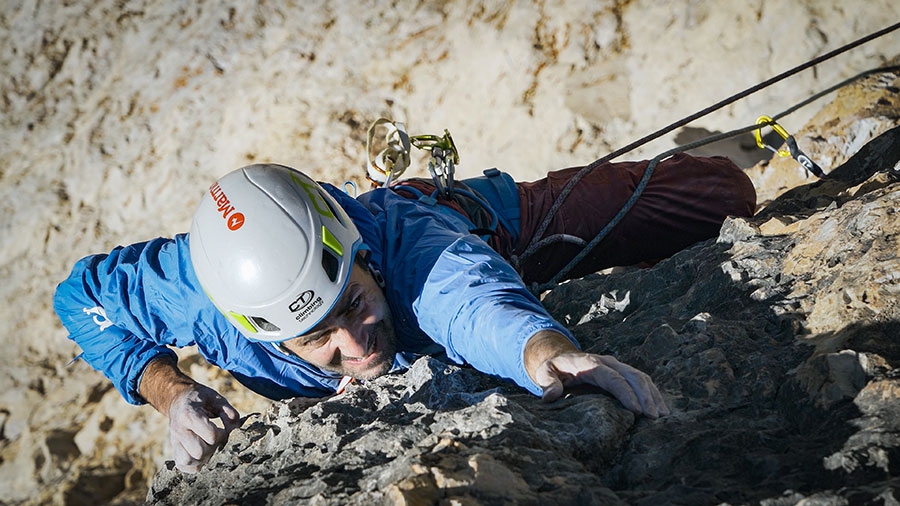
(379, 278)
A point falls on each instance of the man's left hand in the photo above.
(633, 388)
(554, 363)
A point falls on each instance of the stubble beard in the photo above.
(386, 339)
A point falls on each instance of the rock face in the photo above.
(411, 439)
(116, 116)
(776, 346)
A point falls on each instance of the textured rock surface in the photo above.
(115, 116)
(433, 432)
(775, 345)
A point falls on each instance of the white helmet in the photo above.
(272, 250)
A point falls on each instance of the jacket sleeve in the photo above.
(452, 286)
(477, 306)
(124, 308)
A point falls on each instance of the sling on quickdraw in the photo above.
(793, 149)
(393, 160)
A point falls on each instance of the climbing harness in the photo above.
(793, 150)
(384, 169)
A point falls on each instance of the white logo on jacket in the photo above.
(99, 317)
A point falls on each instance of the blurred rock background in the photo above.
(117, 115)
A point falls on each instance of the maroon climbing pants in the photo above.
(686, 201)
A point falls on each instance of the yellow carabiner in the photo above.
(766, 120)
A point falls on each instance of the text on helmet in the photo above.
(233, 220)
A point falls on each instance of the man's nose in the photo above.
(352, 340)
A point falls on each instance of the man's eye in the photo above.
(317, 341)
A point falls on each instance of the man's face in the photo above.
(357, 338)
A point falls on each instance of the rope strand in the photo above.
(535, 245)
(530, 249)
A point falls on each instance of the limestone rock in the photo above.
(115, 116)
(433, 433)
(775, 345)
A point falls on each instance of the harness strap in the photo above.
(496, 220)
(499, 190)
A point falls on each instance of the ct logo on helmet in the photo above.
(301, 301)
(305, 304)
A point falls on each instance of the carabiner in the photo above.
(767, 121)
(443, 161)
(793, 149)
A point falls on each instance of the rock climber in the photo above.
(292, 285)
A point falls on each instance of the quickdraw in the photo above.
(385, 167)
(390, 163)
(443, 161)
(793, 149)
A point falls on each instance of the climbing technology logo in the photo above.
(99, 317)
(233, 220)
(806, 162)
(302, 301)
(305, 304)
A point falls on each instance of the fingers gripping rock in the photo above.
(194, 435)
(633, 388)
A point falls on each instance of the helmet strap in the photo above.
(379, 278)
(363, 258)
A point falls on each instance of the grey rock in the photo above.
(437, 431)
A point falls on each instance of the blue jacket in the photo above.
(447, 289)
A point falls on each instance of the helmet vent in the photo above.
(264, 325)
(338, 216)
(330, 263)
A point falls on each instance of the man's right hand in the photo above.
(193, 434)
(191, 409)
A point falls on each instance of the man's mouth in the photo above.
(378, 358)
